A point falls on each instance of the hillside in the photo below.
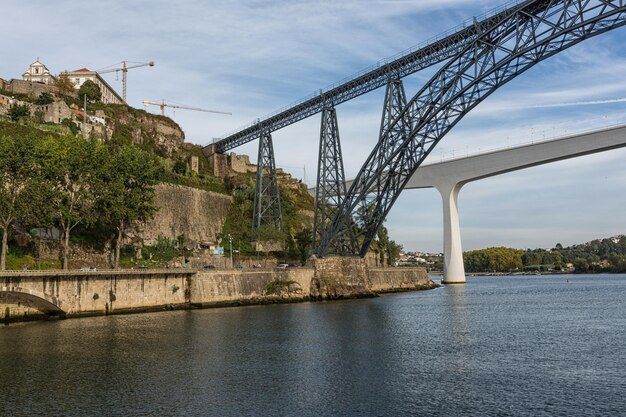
(191, 216)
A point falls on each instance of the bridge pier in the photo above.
(453, 267)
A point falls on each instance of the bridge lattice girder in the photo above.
(331, 185)
(436, 52)
(530, 34)
(267, 208)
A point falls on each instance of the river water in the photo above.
(519, 346)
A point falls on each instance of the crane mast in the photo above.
(124, 69)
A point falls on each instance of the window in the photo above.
(76, 81)
(36, 70)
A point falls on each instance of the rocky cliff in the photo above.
(126, 124)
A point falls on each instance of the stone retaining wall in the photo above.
(111, 292)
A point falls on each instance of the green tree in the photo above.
(388, 248)
(493, 260)
(180, 167)
(393, 252)
(581, 265)
(74, 169)
(128, 196)
(17, 111)
(303, 239)
(44, 98)
(21, 192)
(383, 242)
(64, 84)
(91, 90)
(617, 262)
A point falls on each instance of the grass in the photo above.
(18, 261)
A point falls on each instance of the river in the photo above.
(518, 346)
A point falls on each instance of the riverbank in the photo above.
(27, 295)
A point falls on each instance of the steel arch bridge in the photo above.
(480, 59)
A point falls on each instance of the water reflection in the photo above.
(492, 346)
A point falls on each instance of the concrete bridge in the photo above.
(450, 176)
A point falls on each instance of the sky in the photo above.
(252, 57)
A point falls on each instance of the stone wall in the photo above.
(340, 277)
(31, 88)
(384, 280)
(54, 112)
(110, 292)
(241, 163)
(101, 292)
(197, 214)
(249, 287)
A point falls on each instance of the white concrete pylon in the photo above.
(453, 267)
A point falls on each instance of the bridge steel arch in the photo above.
(532, 32)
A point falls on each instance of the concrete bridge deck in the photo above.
(449, 176)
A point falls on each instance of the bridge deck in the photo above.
(488, 164)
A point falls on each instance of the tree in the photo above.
(180, 167)
(303, 239)
(16, 112)
(44, 98)
(22, 185)
(64, 84)
(581, 265)
(493, 260)
(74, 169)
(128, 196)
(91, 90)
(393, 252)
(388, 248)
(383, 242)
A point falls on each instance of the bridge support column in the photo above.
(267, 208)
(330, 189)
(453, 267)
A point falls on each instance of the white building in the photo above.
(38, 73)
(79, 77)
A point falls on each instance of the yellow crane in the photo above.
(124, 68)
(163, 105)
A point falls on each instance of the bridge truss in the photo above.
(531, 32)
(446, 47)
(480, 58)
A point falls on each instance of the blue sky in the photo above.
(252, 57)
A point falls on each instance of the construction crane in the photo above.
(163, 105)
(124, 68)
